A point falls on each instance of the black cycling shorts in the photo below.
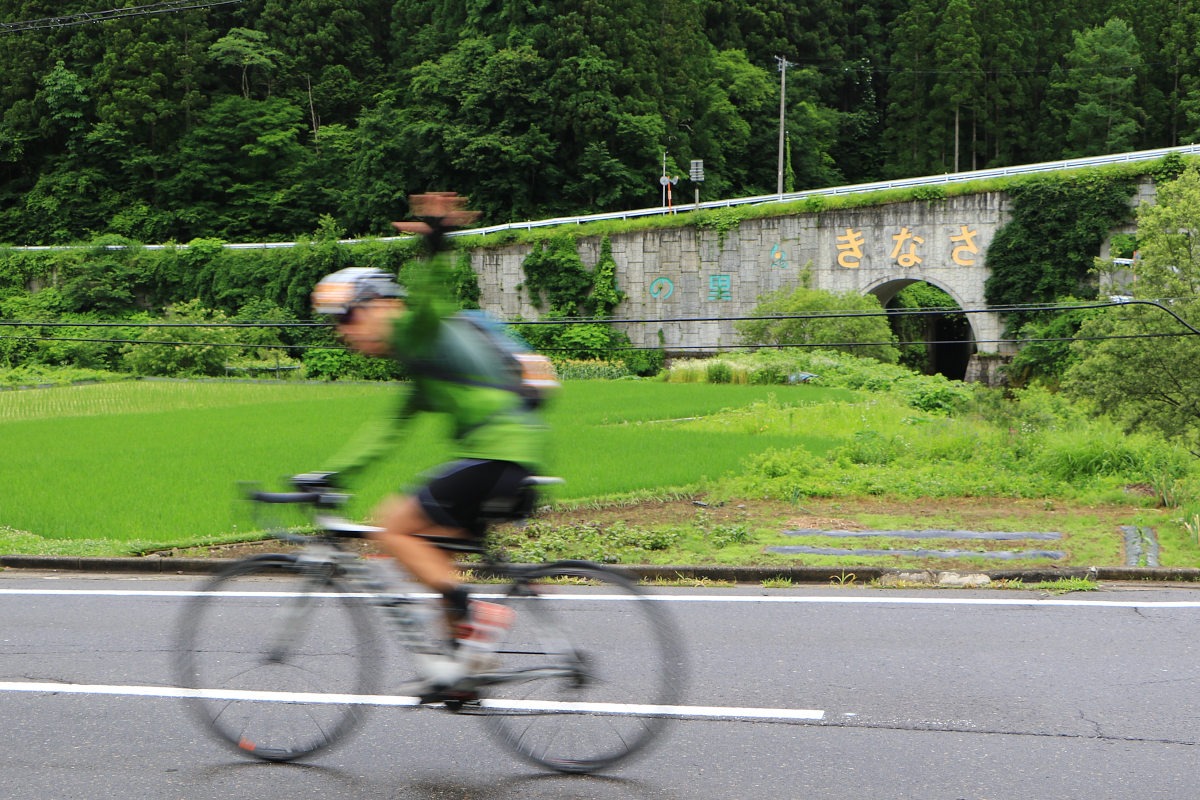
(473, 493)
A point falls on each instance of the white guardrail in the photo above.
(858, 188)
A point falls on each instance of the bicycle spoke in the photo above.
(297, 641)
(620, 651)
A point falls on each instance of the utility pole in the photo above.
(783, 65)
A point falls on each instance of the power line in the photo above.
(244, 345)
(622, 348)
(58, 324)
(819, 314)
(834, 345)
(907, 312)
(779, 317)
(70, 20)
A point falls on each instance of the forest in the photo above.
(266, 120)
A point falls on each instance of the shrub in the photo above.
(334, 365)
(718, 372)
(184, 352)
(570, 369)
(644, 363)
(860, 334)
(935, 394)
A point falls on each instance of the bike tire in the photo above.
(621, 664)
(281, 657)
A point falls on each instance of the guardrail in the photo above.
(785, 197)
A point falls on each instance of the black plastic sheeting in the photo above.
(930, 534)
(1001, 555)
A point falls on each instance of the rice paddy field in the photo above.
(133, 466)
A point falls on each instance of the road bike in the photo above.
(283, 654)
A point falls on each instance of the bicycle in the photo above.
(283, 659)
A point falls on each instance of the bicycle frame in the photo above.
(551, 695)
(324, 558)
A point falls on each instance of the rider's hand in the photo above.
(437, 214)
(315, 481)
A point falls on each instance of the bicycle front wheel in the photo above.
(279, 655)
(589, 672)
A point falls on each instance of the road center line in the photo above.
(622, 709)
(671, 598)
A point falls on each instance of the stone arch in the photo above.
(885, 289)
(952, 360)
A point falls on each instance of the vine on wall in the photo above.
(555, 278)
(1046, 251)
(559, 285)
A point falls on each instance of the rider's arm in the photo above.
(373, 439)
(414, 338)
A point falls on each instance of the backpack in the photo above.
(478, 350)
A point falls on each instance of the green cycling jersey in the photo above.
(449, 376)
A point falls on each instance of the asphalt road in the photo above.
(914, 694)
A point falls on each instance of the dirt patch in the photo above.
(245, 549)
(979, 514)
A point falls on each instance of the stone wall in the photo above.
(675, 274)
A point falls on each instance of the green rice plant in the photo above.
(137, 462)
(153, 461)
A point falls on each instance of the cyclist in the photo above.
(499, 438)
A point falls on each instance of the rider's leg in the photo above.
(456, 503)
(404, 522)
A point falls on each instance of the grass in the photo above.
(121, 467)
(1063, 586)
(157, 462)
(117, 468)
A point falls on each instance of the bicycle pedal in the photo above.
(452, 698)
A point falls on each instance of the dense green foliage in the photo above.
(1046, 351)
(202, 283)
(559, 284)
(1149, 376)
(251, 120)
(1046, 251)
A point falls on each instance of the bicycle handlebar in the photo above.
(285, 497)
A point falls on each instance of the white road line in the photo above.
(623, 709)
(673, 598)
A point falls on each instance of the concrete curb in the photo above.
(798, 574)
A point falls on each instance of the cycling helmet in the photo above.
(340, 292)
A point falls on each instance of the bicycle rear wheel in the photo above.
(601, 665)
(280, 655)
